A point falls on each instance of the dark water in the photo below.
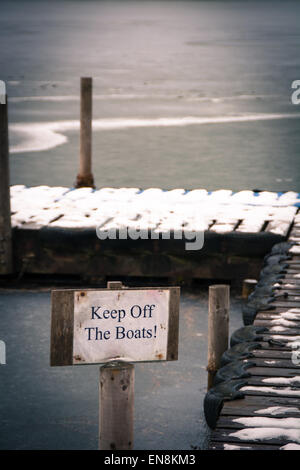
(151, 60)
(57, 408)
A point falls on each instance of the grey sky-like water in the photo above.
(57, 408)
(153, 60)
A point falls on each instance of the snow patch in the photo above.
(273, 390)
(277, 410)
(283, 380)
(261, 434)
(263, 422)
(290, 447)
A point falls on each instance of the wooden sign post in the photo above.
(115, 326)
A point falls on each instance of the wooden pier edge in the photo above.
(60, 251)
(271, 363)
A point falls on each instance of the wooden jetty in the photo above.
(54, 231)
(268, 417)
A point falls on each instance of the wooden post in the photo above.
(85, 177)
(116, 406)
(72, 312)
(218, 328)
(114, 285)
(116, 396)
(248, 287)
(6, 265)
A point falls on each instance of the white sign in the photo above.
(95, 326)
(128, 325)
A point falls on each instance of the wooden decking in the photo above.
(54, 231)
(269, 415)
(219, 211)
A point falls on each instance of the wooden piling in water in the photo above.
(85, 177)
(248, 287)
(6, 264)
(218, 328)
(116, 397)
(116, 406)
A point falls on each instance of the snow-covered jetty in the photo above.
(54, 230)
(262, 368)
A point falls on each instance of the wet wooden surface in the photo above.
(54, 231)
(268, 399)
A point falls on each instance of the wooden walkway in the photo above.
(269, 415)
(219, 211)
(239, 230)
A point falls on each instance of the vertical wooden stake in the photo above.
(6, 265)
(248, 287)
(116, 396)
(218, 328)
(85, 177)
(116, 406)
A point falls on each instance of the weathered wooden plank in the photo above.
(274, 363)
(291, 297)
(294, 237)
(267, 347)
(277, 320)
(284, 333)
(273, 371)
(285, 286)
(261, 381)
(273, 324)
(228, 435)
(6, 260)
(286, 303)
(278, 227)
(292, 271)
(230, 422)
(223, 227)
(291, 289)
(275, 310)
(227, 256)
(62, 319)
(269, 316)
(276, 328)
(249, 225)
(272, 354)
(295, 281)
(174, 301)
(258, 406)
(252, 403)
(279, 391)
(240, 446)
(294, 260)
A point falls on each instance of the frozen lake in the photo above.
(186, 94)
(57, 408)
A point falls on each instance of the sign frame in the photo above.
(62, 324)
